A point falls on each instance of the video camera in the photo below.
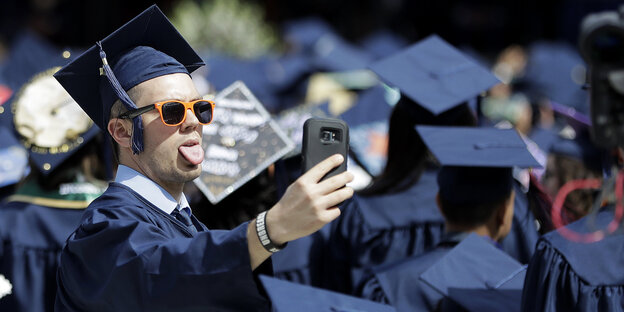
(601, 44)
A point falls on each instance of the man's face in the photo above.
(171, 155)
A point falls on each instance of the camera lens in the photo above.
(327, 136)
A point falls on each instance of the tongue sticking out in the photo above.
(193, 154)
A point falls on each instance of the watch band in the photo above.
(263, 234)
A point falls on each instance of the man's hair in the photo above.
(471, 215)
(117, 109)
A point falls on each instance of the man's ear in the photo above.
(504, 209)
(121, 131)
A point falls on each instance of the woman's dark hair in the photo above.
(407, 154)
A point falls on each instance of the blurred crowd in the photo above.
(301, 60)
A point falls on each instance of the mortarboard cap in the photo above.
(478, 276)
(476, 162)
(434, 74)
(146, 47)
(49, 122)
(383, 43)
(556, 70)
(30, 54)
(303, 33)
(287, 296)
(332, 53)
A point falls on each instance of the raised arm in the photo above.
(305, 208)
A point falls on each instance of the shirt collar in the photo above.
(149, 190)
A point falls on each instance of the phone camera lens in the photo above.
(327, 136)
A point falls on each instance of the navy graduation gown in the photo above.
(472, 275)
(128, 255)
(520, 242)
(301, 261)
(382, 229)
(570, 276)
(397, 283)
(32, 237)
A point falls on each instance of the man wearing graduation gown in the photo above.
(138, 247)
(475, 195)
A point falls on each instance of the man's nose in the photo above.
(191, 120)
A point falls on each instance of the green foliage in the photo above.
(234, 27)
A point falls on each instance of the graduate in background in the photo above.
(578, 267)
(396, 216)
(476, 195)
(138, 246)
(67, 172)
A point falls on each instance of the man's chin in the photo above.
(192, 172)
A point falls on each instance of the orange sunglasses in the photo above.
(173, 113)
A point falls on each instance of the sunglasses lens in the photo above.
(203, 111)
(173, 113)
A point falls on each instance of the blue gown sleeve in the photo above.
(117, 263)
(551, 284)
(345, 233)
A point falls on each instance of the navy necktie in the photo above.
(183, 217)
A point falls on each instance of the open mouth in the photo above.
(192, 151)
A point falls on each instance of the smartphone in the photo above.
(323, 137)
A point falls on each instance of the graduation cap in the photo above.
(287, 296)
(332, 53)
(476, 162)
(304, 33)
(266, 77)
(383, 43)
(48, 121)
(434, 74)
(30, 54)
(478, 276)
(43, 116)
(557, 71)
(146, 47)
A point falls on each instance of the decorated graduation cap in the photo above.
(146, 47)
(288, 296)
(49, 123)
(434, 74)
(478, 276)
(476, 162)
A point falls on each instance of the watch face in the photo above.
(47, 118)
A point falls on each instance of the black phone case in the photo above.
(316, 147)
